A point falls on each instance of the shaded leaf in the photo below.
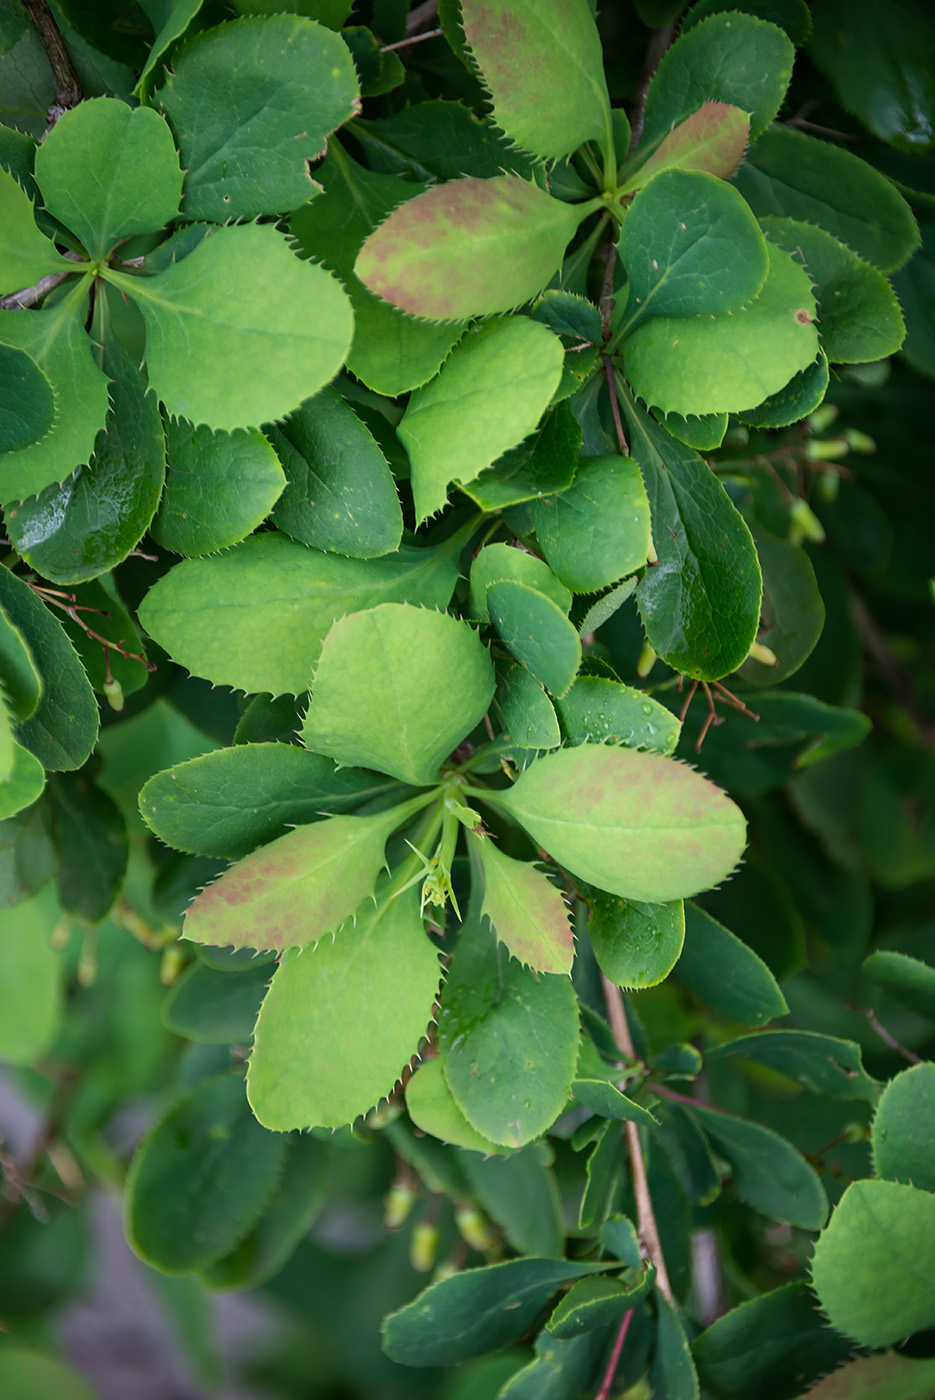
(767, 1171)
(603, 1099)
(822, 1064)
(528, 713)
(909, 980)
(215, 1008)
(543, 463)
(520, 1193)
(91, 836)
(720, 969)
(673, 1371)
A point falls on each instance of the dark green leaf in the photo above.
(602, 1098)
(201, 1178)
(907, 979)
(498, 562)
(544, 463)
(520, 1193)
(794, 401)
(537, 633)
(593, 1304)
(438, 140)
(92, 840)
(19, 675)
(636, 945)
(215, 1008)
(605, 1169)
(673, 1371)
(724, 972)
(528, 712)
(821, 1064)
(767, 1171)
(27, 855)
(793, 614)
(27, 403)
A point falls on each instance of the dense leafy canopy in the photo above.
(465, 684)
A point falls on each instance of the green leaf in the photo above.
(507, 1038)
(902, 1134)
(469, 248)
(561, 1368)
(433, 1110)
(24, 1374)
(769, 1347)
(712, 140)
(879, 68)
(605, 607)
(107, 171)
(476, 1311)
(537, 633)
(170, 19)
(603, 1099)
(282, 1226)
(215, 1008)
(691, 247)
(293, 330)
(858, 315)
(439, 140)
(374, 701)
(19, 675)
(528, 713)
(220, 487)
(791, 15)
(27, 403)
(510, 370)
(915, 285)
(569, 315)
(590, 1305)
(196, 611)
(703, 432)
(725, 973)
(793, 613)
(91, 836)
(673, 1371)
(767, 1171)
(907, 979)
(391, 352)
(537, 46)
(201, 1178)
(700, 604)
(120, 635)
(794, 176)
(705, 364)
(299, 887)
(822, 1064)
(25, 253)
(603, 1175)
(340, 494)
(54, 338)
(735, 58)
(230, 801)
(251, 102)
(597, 530)
(635, 824)
(542, 464)
(636, 944)
(870, 1268)
(382, 971)
(27, 855)
(598, 710)
(498, 562)
(794, 401)
(79, 529)
(890, 1377)
(30, 981)
(527, 912)
(62, 730)
(520, 1193)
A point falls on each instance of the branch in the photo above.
(645, 1217)
(659, 41)
(65, 81)
(28, 296)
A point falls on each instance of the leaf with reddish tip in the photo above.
(632, 823)
(543, 64)
(526, 911)
(298, 888)
(713, 140)
(469, 248)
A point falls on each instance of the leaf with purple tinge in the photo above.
(713, 139)
(469, 248)
(526, 911)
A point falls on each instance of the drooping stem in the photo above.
(65, 81)
(607, 1382)
(645, 1216)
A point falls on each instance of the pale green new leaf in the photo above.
(598, 530)
(251, 102)
(376, 701)
(872, 1266)
(731, 58)
(55, 340)
(218, 356)
(526, 911)
(632, 823)
(496, 562)
(691, 247)
(381, 972)
(469, 248)
(298, 888)
(22, 783)
(529, 48)
(489, 394)
(107, 171)
(25, 253)
(704, 364)
(255, 616)
(712, 139)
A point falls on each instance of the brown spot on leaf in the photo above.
(803, 318)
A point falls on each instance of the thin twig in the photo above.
(412, 39)
(645, 1216)
(607, 1382)
(659, 41)
(422, 14)
(28, 296)
(888, 1038)
(65, 81)
(615, 406)
(606, 302)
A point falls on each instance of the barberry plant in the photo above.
(445, 606)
